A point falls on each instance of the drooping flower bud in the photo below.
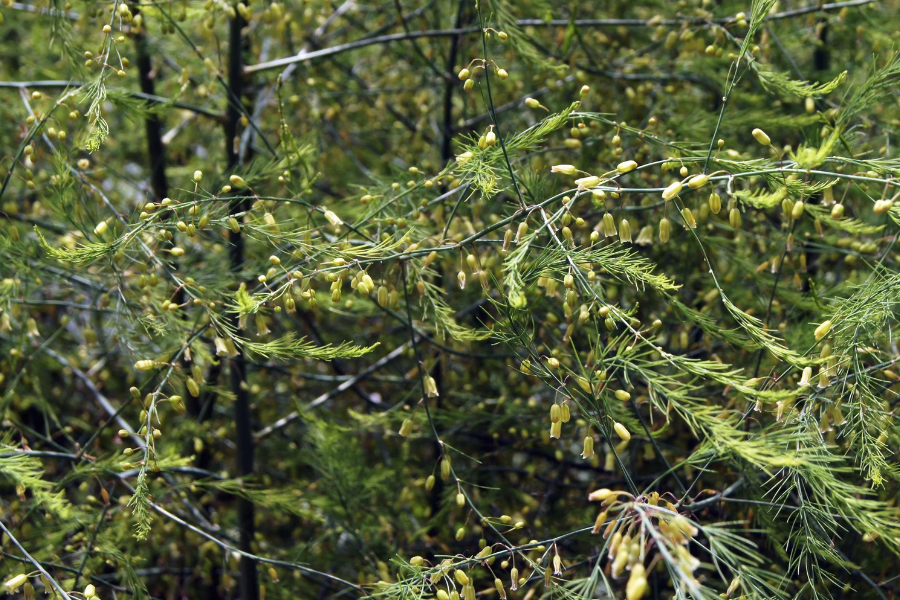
(882, 206)
(608, 225)
(665, 230)
(624, 231)
(588, 447)
(431, 387)
(715, 203)
(822, 330)
(637, 586)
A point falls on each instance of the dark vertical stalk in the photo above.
(248, 584)
(446, 148)
(446, 155)
(156, 151)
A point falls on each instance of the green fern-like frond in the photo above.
(775, 80)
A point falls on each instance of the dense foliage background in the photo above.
(443, 299)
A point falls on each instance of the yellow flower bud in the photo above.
(637, 587)
(822, 330)
(564, 169)
(622, 431)
(431, 389)
(588, 447)
(761, 137)
(625, 231)
(12, 585)
(627, 166)
(333, 218)
(671, 191)
(587, 182)
(556, 430)
(608, 225)
(601, 494)
(665, 230)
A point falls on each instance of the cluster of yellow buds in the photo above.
(362, 282)
(559, 414)
(225, 347)
(488, 138)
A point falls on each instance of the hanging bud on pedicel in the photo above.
(588, 447)
(665, 230)
(625, 232)
(431, 389)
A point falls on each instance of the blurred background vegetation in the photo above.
(442, 299)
